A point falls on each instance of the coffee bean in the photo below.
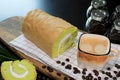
(84, 69)
(68, 66)
(99, 78)
(63, 63)
(89, 77)
(117, 66)
(114, 78)
(83, 77)
(109, 74)
(76, 70)
(65, 78)
(43, 66)
(49, 69)
(108, 68)
(58, 62)
(58, 74)
(95, 78)
(115, 72)
(67, 59)
(96, 72)
(103, 72)
(106, 78)
(83, 72)
(118, 74)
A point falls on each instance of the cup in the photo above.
(94, 51)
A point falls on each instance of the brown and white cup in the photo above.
(94, 51)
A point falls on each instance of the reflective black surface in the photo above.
(71, 10)
(74, 11)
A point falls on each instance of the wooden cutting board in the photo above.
(9, 30)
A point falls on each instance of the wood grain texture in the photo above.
(9, 30)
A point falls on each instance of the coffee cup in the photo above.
(94, 51)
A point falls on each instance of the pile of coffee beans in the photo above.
(76, 70)
(68, 65)
(41, 76)
(107, 74)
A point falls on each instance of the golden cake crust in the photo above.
(43, 29)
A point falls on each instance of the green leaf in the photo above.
(5, 58)
(8, 53)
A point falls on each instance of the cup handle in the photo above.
(114, 52)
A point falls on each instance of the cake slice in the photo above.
(51, 34)
(18, 70)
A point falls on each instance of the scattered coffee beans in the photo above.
(58, 62)
(115, 72)
(67, 59)
(109, 74)
(43, 66)
(118, 74)
(68, 66)
(84, 71)
(114, 78)
(63, 63)
(108, 68)
(103, 72)
(83, 77)
(99, 78)
(117, 66)
(95, 79)
(41, 76)
(96, 72)
(106, 78)
(89, 77)
(76, 70)
(58, 74)
(65, 78)
(49, 69)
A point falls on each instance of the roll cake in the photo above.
(18, 70)
(51, 34)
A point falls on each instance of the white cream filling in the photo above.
(62, 41)
(16, 74)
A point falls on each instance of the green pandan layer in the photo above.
(60, 46)
(18, 70)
